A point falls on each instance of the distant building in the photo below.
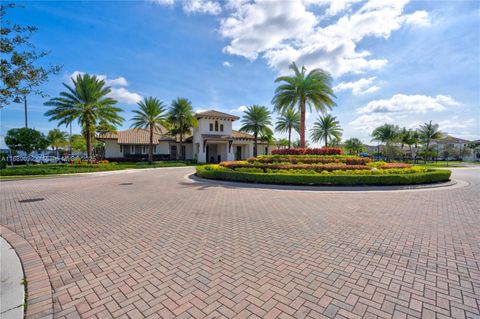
(212, 141)
(461, 147)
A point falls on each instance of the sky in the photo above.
(392, 61)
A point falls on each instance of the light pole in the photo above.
(18, 99)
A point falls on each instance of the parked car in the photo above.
(48, 160)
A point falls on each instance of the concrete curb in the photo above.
(193, 178)
(38, 287)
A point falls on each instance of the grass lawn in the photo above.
(447, 164)
(46, 170)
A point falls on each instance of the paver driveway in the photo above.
(162, 247)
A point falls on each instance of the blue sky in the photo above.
(401, 62)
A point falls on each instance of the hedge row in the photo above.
(308, 151)
(215, 172)
(310, 167)
(310, 160)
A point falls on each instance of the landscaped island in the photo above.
(326, 166)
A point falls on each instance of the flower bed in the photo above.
(308, 151)
(330, 178)
(321, 170)
(295, 159)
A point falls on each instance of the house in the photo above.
(212, 141)
(461, 149)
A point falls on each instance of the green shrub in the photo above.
(221, 173)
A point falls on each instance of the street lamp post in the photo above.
(18, 99)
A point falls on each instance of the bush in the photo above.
(303, 159)
(311, 167)
(308, 151)
(222, 173)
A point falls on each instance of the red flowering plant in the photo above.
(308, 151)
(303, 159)
(311, 167)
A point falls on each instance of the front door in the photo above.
(238, 153)
(173, 152)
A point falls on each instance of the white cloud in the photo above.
(409, 104)
(368, 122)
(360, 87)
(226, 64)
(117, 87)
(194, 6)
(455, 124)
(123, 95)
(239, 109)
(420, 18)
(286, 31)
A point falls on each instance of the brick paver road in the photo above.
(162, 247)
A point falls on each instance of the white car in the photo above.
(49, 160)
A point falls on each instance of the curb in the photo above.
(38, 288)
(453, 183)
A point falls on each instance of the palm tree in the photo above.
(151, 115)
(408, 137)
(86, 102)
(387, 133)
(181, 117)
(354, 146)
(288, 120)
(267, 137)
(427, 133)
(57, 138)
(312, 89)
(282, 143)
(256, 120)
(325, 128)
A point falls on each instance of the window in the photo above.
(211, 127)
(144, 149)
(216, 126)
(221, 127)
(121, 148)
(154, 148)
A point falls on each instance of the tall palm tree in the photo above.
(181, 117)
(387, 133)
(256, 120)
(288, 120)
(87, 102)
(408, 137)
(325, 128)
(427, 133)
(302, 89)
(267, 137)
(354, 146)
(151, 115)
(57, 138)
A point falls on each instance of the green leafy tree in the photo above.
(57, 138)
(448, 151)
(387, 134)
(409, 138)
(302, 89)
(288, 120)
(326, 128)
(151, 115)
(19, 69)
(297, 143)
(256, 120)
(267, 137)
(354, 146)
(88, 103)
(282, 143)
(181, 118)
(429, 132)
(25, 139)
(77, 142)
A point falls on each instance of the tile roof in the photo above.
(213, 113)
(241, 135)
(452, 140)
(136, 136)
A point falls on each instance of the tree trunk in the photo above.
(289, 137)
(150, 147)
(426, 153)
(302, 123)
(326, 140)
(88, 141)
(181, 144)
(255, 148)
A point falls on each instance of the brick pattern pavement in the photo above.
(164, 248)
